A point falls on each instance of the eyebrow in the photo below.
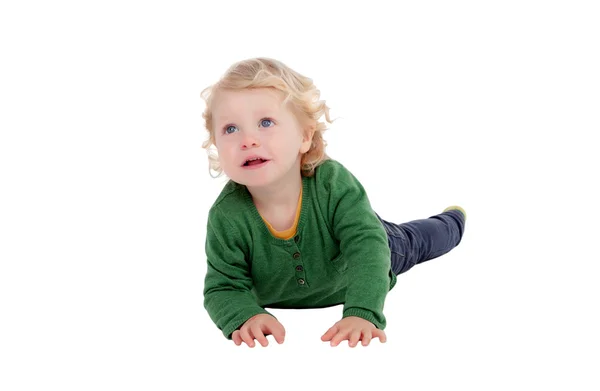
(261, 113)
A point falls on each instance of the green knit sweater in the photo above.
(339, 255)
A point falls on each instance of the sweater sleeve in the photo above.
(363, 243)
(228, 296)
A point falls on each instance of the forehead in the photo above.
(249, 101)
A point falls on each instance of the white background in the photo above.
(105, 191)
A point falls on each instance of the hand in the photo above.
(258, 327)
(353, 328)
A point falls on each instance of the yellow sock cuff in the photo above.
(456, 207)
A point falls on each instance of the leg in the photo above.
(421, 240)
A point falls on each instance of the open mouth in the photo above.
(254, 162)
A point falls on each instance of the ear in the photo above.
(307, 139)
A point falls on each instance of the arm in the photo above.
(363, 243)
(228, 298)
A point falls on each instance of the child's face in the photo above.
(253, 122)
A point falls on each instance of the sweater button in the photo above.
(299, 268)
(296, 255)
(296, 238)
(300, 281)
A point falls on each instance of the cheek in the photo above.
(224, 152)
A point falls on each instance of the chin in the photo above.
(250, 180)
(254, 182)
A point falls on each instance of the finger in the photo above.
(339, 337)
(354, 338)
(258, 334)
(366, 337)
(330, 333)
(244, 332)
(236, 337)
(377, 333)
(278, 331)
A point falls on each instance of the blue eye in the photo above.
(267, 122)
(229, 127)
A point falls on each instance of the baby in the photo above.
(293, 228)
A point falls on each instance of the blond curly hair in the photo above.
(298, 90)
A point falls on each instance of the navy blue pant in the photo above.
(421, 240)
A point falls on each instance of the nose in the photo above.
(250, 141)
